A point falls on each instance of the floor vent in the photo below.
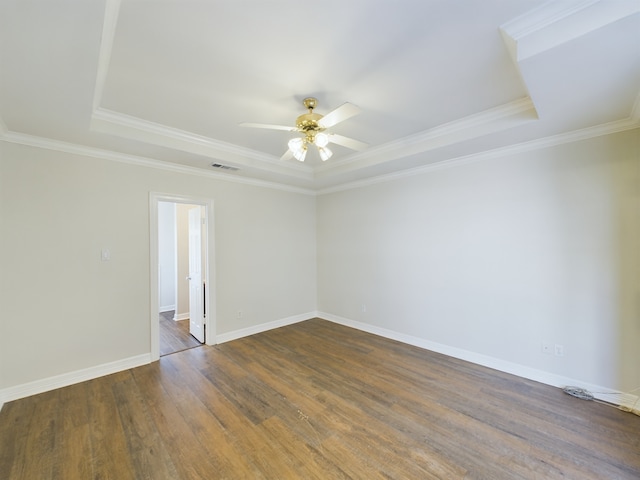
(224, 167)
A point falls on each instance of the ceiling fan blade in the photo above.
(344, 111)
(270, 127)
(287, 155)
(347, 142)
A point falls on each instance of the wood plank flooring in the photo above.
(174, 335)
(314, 400)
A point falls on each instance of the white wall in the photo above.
(499, 256)
(182, 253)
(167, 255)
(64, 310)
(182, 257)
(492, 258)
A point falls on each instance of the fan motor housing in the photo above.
(309, 122)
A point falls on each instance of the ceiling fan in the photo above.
(313, 126)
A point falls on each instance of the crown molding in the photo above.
(75, 149)
(570, 137)
(138, 124)
(541, 17)
(495, 119)
(558, 22)
(489, 121)
(127, 126)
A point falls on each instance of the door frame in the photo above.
(154, 259)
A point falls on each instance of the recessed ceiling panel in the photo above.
(204, 67)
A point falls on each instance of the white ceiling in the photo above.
(168, 81)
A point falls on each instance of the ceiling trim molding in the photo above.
(495, 119)
(555, 23)
(543, 16)
(570, 137)
(111, 11)
(75, 149)
(127, 126)
(492, 120)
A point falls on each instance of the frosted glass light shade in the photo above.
(325, 153)
(321, 140)
(296, 144)
(300, 154)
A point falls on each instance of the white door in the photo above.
(196, 298)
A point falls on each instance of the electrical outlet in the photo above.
(364, 308)
(546, 348)
(559, 350)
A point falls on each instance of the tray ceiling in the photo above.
(167, 83)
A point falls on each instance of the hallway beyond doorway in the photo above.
(174, 335)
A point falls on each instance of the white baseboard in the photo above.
(263, 327)
(181, 316)
(166, 308)
(66, 379)
(624, 400)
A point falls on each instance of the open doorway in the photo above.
(181, 256)
(181, 233)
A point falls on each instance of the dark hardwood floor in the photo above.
(174, 335)
(314, 400)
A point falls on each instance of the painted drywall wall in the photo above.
(68, 310)
(494, 258)
(182, 254)
(167, 256)
(182, 257)
(498, 257)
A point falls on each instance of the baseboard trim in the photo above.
(166, 308)
(263, 327)
(625, 401)
(181, 316)
(66, 379)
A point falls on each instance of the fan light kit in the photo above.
(313, 126)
